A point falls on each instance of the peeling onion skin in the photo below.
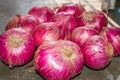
(42, 13)
(16, 47)
(81, 34)
(98, 52)
(46, 32)
(73, 9)
(93, 19)
(59, 60)
(113, 36)
(66, 22)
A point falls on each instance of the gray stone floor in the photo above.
(9, 8)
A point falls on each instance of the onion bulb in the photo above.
(59, 60)
(42, 13)
(16, 47)
(81, 34)
(113, 36)
(93, 19)
(27, 22)
(98, 52)
(45, 32)
(73, 9)
(67, 23)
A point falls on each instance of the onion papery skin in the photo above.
(16, 47)
(13, 23)
(81, 34)
(113, 36)
(27, 22)
(67, 23)
(46, 32)
(93, 19)
(73, 9)
(98, 52)
(59, 60)
(42, 13)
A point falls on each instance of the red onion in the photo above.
(81, 34)
(27, 22)
(113, 36)
(93, 19)
(73, 9)
(16, 47)
(59, 60)
(67, 23)
(98, 52)
(46, 32)
(42, 13)
(13, 22)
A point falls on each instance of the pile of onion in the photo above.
(59, 60)
(66, 22)
(16, 47)
(73, 9)
(93, 19)
(112, 34)
(81, 34)
(42, 13)
(98, 52)
(45, 32)
(27, 22)
(59, 42)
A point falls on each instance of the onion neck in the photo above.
(88, 16)
(67, 52)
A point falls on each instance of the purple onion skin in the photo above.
(98, 52)
(42, 13)
(113, 36)
(59, 60)
(81, 34)
(14, 52)
(93, 19)
(73, 9)
(44, 32)
(66, 22)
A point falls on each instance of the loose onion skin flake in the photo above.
(16, 47)
(59, 60)
(98, 52)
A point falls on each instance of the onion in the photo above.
(13, 22)
(27, 22)
(93, 19)
(67, 23)
(98, 52)
(44, 32)
(81, 34)
(42, 13)
(16, 47)
(113, 36)
(73, 9)
(59, 60)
